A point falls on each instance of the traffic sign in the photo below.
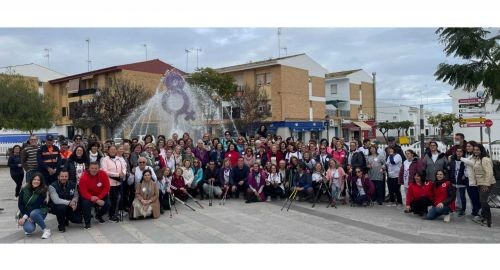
(474, 120)
(471, 100)
(471, 105)
(488, 123)
(475, 125)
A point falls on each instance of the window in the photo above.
(412, 132)
(95, 83)
(40, 84)
(261, 79)
(394, 118)
(269, 78)
(333, 89)
(426, 132)
(64, 111)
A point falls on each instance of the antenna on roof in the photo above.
(279, 42)
(197, 51)
(187, 58)
(286, 50)
(88, 54)
(47, 55)
(146, 48)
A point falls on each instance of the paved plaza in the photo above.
(237, 222)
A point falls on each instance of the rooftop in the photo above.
(341, 73)
(155, 66)
(262, 63)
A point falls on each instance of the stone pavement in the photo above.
(237, 222)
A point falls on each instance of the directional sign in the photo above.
(471, 100)
(475, 125)
(471, 106)
(474, 120)
(464, 111)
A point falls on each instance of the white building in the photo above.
(473, 133)
(350, 103)
(391, 112)
(43, 75)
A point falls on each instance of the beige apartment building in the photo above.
(295, 89)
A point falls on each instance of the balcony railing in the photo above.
(83, 92)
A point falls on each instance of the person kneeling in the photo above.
(94, 189)
(64, 201)
(362, 188)
(256, 182)
(33, 206)
(302, 183)
(146, 202)
(444, 198)
(419, 195)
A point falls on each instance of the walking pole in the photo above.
(210, 193)
(170, 205)
(288, 199)
(195, 200)
(170, 201)
(223, 200)
(317, 195)
(187, 205)
(293, 198)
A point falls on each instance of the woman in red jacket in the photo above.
(444, 198)
(232, 154)
(419, 195)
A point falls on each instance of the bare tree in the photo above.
(253, 105)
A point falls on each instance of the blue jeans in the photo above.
(38, 218)
(436, 212)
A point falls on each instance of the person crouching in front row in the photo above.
(64, 201)
(444, 198)
(362, 188)
(302, 183)
(94, 189)
(146, 202)
(256, 182)
(419, 195)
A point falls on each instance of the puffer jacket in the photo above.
(480, 171)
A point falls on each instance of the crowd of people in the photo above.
(73, 179)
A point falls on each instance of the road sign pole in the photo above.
(488, 131)
(481, 134)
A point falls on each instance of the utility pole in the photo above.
(197, 51)
(279, 42)
(286, 50)
(374, 74)
(146, 49)
(88, 54)
(187, 58)
(47, 55)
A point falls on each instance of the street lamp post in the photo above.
(327, 124)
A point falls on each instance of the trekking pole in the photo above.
(293, 198)
(317, 195)
(170, 202)
(170, 205)
(288, 199)
(210, 193)
(187, 205)
(195, 200)
(223, 200)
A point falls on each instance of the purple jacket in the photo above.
(253, 183)
(415, 166)
(201, 154)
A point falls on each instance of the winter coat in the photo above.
(432, 167)
(460, 177)
(252, 182)
(31, 199)
(153, 195)
(416, 191)
(15, 165)
(480, 171)
(217, 157)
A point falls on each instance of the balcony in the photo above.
(83, 92)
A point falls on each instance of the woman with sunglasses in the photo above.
(362, 188)
(248, 157)
(444, 198)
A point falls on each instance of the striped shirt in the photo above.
(29, 158)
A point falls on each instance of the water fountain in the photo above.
(174, 108)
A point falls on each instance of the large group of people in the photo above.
(80, 180)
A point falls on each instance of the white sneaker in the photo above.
(447, 218)
(46, 234)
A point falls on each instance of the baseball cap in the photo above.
(49, 137)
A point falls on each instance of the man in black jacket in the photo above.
(211, 176)
(240, 178)
(64, 201)
(323, 157)
(355, 158)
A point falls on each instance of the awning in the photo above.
(298, 125)
(362, 125)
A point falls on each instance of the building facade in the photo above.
(70, 91)
(350, 103)
(294, 86)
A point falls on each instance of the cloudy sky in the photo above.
(404, 58)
